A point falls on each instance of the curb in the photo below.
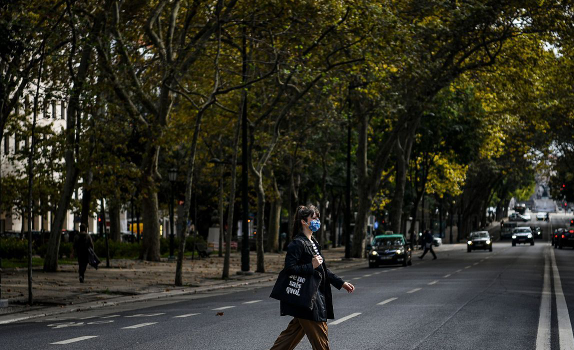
(144, 297)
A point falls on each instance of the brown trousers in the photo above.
(315, 331)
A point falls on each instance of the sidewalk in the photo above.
(133, 280)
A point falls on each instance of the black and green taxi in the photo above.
(389, 250)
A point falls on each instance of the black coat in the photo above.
(299, 261)
(82, 242)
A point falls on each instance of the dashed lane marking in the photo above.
(344, 319)
(475, 264)
(468, 267)
(87, 318)
(433, 282)
(187, 315)
(457, 271)
(414, 290)
(111, 316)
(252, 301)
(387, 301)
(564, 326)
(367, 275)
(140, 325)
(74, 340)
(357, 278)
(376, 273)
(223, 308)
(147, 315)
(447, 276)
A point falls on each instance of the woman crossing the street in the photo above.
(311, 283)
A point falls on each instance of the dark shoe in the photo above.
(420, 257)
(434, 258)
(81, 279)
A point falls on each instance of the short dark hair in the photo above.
(83, 228)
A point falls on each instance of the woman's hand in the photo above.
(317, 261)
(348, 287)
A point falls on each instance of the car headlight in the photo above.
(530, 235)
(488, 242)
(399, 251)
(469, 242)
(513, 236)
(374, 252)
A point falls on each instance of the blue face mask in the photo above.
(315, 225)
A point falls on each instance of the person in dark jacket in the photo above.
(428, 239)
(304, 258)
(82, 242)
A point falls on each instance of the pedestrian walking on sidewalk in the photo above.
(82, 244)
(305, 263)
(428, 239)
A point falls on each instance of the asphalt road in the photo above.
(512, 298)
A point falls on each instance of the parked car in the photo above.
(566, 239)
(389, 250)
(517, 217)
(479, 240)
(436, 241)
(522, 235)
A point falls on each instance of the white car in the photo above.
(540, 216)
(526, 217)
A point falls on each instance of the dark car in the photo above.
(554, 240)
(479, 240)
(565, 239)
(506, 229)
(536, 232)
(389, 250)
(518, 217)
(522, 235)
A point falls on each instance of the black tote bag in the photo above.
(296, 290)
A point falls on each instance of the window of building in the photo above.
(63, 115)
(7, 144)
(54, 115)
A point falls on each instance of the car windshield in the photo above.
(390, 241)
(479, 235)
(521, 230)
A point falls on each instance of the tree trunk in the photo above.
(274, 226)
(260, 222)
(220, 209)
(232, 189)
(73, 130)
(149, 204)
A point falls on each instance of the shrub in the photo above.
(191, 240)
(118, 250)
(14, 248)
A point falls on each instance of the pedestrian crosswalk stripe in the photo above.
(187, 315)
(414, 290)
(252, 302)
(387, 301)
(344, 318)
(223, 308)
(73, 340)
(140, 325)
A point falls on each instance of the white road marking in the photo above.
(65, 324)
(433, 282)
(457, 271)
(564, 327)
(414, 290)
(252, 301)
(367, 275)
(488, 257)
(387, 301)
(147, 315)
(482, 260)
(223, 308)
(87, 318)
(101, 322)
(344, 319)
(111, 316)
(475, 264)
(376, 273)
(140, 325)
(468, 267)
(73, 340)
(187, 315)
(447, 276)
(357, 278)
(543, 335)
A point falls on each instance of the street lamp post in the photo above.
(172, 174)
